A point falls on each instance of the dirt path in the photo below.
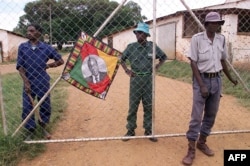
(88, 117)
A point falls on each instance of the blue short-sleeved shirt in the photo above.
(140, 57)
(34, 61)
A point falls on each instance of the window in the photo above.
(191, 27)
(244, 22)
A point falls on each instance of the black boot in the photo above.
(46, 134)
(149, 132)
(129, 133)
(188, 159)
(30, 134)
(202, 146)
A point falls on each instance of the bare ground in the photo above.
(87, 116)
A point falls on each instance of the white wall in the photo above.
(237, 43)
(10, 43)
(243, 4)
(122, 39)
(4, 40)
(13, 43)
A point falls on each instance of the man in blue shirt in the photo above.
(32, 59)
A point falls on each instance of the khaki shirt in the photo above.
(140, 57)
(206, 53)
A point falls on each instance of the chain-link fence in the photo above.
(171, 26)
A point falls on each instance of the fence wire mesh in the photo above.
(77, 115)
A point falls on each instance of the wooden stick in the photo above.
(37, 105)
(33, 104)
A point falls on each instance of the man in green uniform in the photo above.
(139, 54)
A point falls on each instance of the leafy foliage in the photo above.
(67, 18)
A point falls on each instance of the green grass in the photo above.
(176, 70)
(12, 149)
(182, 71)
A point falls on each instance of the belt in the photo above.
(143, 73)
(211, 75)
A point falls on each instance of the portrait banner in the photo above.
(91, 66)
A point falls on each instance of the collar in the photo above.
(216, 36)
(39, 44)
(147, 43)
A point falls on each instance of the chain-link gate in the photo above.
(172, 25)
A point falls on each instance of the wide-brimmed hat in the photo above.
(214, 17)
(143, 27)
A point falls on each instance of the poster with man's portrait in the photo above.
(92, 66)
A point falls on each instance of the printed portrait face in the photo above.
(93, 66)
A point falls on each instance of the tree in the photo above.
(67, 18)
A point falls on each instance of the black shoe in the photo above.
(153, 139)
(29, 134)
(149, 132)
(130, 133)
(46, 134)
(42, 124)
